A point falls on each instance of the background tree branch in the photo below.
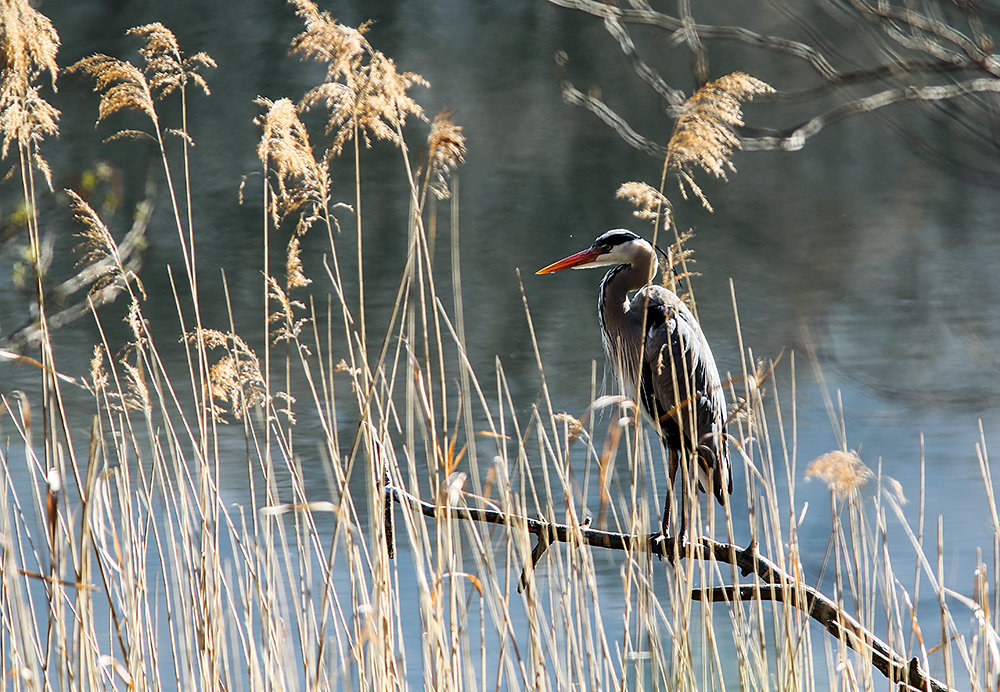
(935, 59)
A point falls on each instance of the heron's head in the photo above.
(612, 248)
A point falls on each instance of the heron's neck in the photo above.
(624, 278)
(615, 288)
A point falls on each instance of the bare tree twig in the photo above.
(673, 97)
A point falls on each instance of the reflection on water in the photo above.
(854, 248)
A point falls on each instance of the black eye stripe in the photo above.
(613, 238)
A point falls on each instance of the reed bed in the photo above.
(125, 564)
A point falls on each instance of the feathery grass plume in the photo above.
(98, 376)
(235, 380)
(843, 472)
(649, 202)
(28, 48)
(705, 131)
(340, 46)
(289, 327)
(446, 150)
(137, 323)
(166, 67)
(122, 86)
(294, 278)
(302, 184)
(100, 251)
(136, 395)
(365, 93)
(652, 204)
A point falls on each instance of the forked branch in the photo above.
(774, 584)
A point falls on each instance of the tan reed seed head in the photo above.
(705, 133)
(446, 150)
(235, 382)
(121, 84)
(301, 182)
(649, 202)
(294, 275)
(98, 375)
(98, 248)
(366, 95)
(324, 40)
(843, 472)
(166, 67)
(28, 48)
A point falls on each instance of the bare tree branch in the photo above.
(777, 585)
(794, 138)
(617, 123)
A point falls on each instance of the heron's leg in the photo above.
(682, 508)
(671, 475)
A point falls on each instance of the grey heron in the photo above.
(658, 351)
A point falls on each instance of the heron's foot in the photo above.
(669, 546)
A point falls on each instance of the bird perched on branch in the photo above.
(659, 352)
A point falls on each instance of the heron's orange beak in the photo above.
(588, 255)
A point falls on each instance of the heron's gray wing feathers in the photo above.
(680, 385)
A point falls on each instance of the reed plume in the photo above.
(843, 472)
(649, 202)
(99, 250)
(705, 134)
(446, 150)
(301, 183)
(166, 68)
(235, 382)
(366, 95)
(28, 48)
(288, 325)
(123, 86)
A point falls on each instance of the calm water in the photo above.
(854, 247)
